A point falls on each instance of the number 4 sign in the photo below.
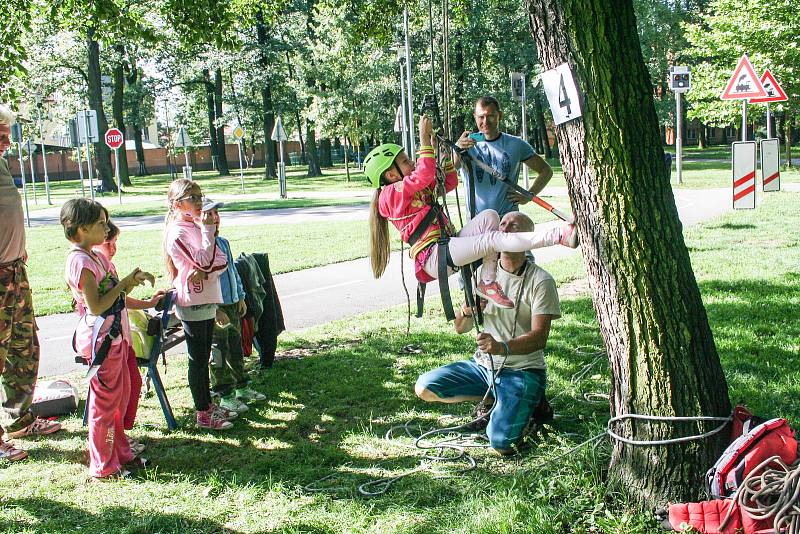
(562, 93)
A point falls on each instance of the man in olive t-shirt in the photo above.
(511, 347)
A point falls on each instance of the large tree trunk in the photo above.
(270, 149)
(702, 140)
(325, 159)
(118, 110)
(102, 153)
(661, 352)
(211, 114)
(222, 159)
(314, 168)
(133, 77)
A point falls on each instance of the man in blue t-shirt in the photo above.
(505, 153)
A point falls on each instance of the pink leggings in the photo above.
(136, 389)
(480, 238)
(108, 402)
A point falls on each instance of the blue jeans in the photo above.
(518, 393)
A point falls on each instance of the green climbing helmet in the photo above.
(378, 160)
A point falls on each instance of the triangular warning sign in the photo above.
(775, 92)
(744, 83)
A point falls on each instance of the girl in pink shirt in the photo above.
(100, 297)
(403, 196)
(194, 264)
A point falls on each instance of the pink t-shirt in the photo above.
(102, 269)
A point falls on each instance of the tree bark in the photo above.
(133, 78)
(222, 159)
(314, 168)
(325, 159)
(102, 153)
(702, 141)
(211, 114)
(118, 110)
(660, 347)
(270, 148)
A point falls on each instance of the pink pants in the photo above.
(136, 390)
(480, 238)
(108, 446)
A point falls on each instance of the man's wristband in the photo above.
(505, 348)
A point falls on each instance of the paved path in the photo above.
(319, 295)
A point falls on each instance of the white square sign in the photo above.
(562, 93)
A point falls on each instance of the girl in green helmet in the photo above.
(404, 195)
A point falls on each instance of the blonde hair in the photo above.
(379, 246)
(7, 116)
(177, 189)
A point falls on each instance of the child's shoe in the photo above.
(224, 413)
(136, 447)
(232, 404)
(10, 453)
(209, 419)
(247, 394)
(493, 292)
(569, 236)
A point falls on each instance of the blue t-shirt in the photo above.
(505, 154)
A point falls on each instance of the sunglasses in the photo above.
(193, 198)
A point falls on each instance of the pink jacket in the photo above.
(406, 203)
(192, 247)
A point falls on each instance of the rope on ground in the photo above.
(672, 441)
(772, 489)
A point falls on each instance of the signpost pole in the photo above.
(117, 173)
(241, 170)
(524, 129)
(744, 120)
(282, 172)
(33, 174)
(769, 123)
(80, 168)
(679, 137)
(24, 180)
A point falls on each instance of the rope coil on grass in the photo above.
(772, 492)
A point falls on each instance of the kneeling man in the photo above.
(511, 346)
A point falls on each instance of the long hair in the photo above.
(379, 246)
(177, 189)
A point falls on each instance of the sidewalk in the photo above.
(322, 294)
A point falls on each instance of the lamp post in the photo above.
(39, 103)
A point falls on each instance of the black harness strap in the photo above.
(445, 260)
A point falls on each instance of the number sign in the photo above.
(562, 93)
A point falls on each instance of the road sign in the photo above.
(238, 133)
(182, 139)
(744, 83)
(72, 130)
(278, 133)
(744, 175)
(517, 85)
(770, 165)
(775, 92)
(680, 79)
(16, 132)
(562, 93)
(398, 120)
(82, 118)
(114, 138)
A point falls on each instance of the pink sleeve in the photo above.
(76, 263)
(423, 176)
(198, 250)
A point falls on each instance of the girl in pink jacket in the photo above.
(403, 196)
(194, 264)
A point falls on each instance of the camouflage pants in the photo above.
(19, 348)
(227, 356)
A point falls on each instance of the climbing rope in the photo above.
(771, 490)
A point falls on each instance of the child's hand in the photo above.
(242, 308)
(222, 318)
(425, 131)
(196, 275)
(158, 295)
(207, 218)
(132, 280)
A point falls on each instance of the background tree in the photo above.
(660, 347)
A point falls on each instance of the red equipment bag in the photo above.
(771, 438)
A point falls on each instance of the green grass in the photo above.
(333, 179)
(339, 387)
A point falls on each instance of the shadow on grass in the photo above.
(55, 516)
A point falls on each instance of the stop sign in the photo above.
(114, 138)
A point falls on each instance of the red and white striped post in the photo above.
(744, 175)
